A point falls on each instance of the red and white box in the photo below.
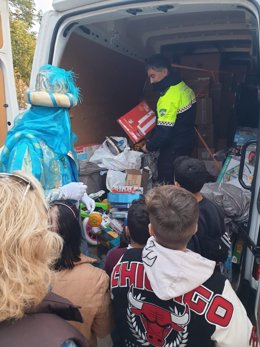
(138, 122)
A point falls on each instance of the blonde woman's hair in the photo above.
(27, 246)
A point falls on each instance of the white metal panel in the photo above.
(64, 5)
(6, 63)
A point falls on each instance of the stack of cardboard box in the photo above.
(201, 77)
(205, 127)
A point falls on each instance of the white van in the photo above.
(214, 43)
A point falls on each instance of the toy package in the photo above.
(138, 122)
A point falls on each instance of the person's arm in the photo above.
(103, 319)
(161, 136)
(166, 117)
(238, 332)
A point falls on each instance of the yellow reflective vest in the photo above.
(177, 99)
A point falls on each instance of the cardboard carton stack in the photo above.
(202, 77)
(215, 82)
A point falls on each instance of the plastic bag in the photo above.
(234, 200)
(128, 159)
(150, 161)
(115, 178)
(91, 174)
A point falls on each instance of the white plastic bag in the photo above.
(123, 161)
(115, 178)
(128, 159)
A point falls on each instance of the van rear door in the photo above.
(8, 99)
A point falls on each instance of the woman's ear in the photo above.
(126, 230)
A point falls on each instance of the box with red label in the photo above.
(138, 122)
(84, 152)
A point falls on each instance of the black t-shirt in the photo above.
(212, 237)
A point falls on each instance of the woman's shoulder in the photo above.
(86, 270)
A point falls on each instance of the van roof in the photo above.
(153, 26)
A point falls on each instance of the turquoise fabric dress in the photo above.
(41, 142)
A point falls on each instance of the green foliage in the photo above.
(23, 10)
(23, 45)
(23, 16)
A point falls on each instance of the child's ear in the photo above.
(177, 184)
(196, 229)
(150, 229)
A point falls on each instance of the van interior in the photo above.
(214, 48)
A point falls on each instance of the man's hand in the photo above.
(144, 149)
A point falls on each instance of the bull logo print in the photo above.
(158, 323)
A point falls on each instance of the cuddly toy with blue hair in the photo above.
(42, 142)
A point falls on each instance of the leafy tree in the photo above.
(23, 45)
(23, 16)
(23, 10)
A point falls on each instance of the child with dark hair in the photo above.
(211, 240)
(76, 278)
(136, 231)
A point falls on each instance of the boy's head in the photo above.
(190, 173)
(173, 213)
(138, 221)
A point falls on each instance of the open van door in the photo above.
(8, 99)
(251, 233)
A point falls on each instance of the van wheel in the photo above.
(89, 235)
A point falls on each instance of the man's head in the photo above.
(173, 213)
(190, 173)
(137, 222)
(157, 68)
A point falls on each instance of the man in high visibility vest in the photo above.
(174, 133)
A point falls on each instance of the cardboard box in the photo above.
(200, 86)
(84, 152)
(204, 111)
(128, 189)
(238, 73)
(207, 133)
(221, 144)
(210, 62)
(203, 153)
(137, 178)
(244, 134)
(133, 177)
(230, 171)
(138, 122)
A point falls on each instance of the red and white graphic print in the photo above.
(157, 322)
